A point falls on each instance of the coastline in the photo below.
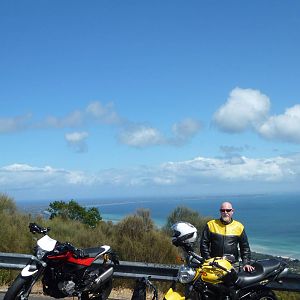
(281, 240)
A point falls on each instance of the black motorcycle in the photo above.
(217, 279)
(65, 270)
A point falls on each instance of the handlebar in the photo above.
(215, 264)
(198, 257)
(35, 228)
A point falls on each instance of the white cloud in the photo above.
(141, 136)
(103, 113)
(24, 176)
(94, 112)
(196, 174)
(285, 127)
(129, 133)
(74, 119)
(77, 141)
(232, 151)
(185, 130)
(249, 109)
(76, 137)
(14, 124)
(234, 169)
(244, 109)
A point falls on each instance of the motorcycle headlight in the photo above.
(186, 274)
(40, 252)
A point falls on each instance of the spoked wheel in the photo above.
(18, 290)
(266, 295)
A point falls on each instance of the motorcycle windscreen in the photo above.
(46, 243)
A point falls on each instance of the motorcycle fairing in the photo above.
(69, 257)
(172, 295)
(213, 274)
(102, 250)
(93, 254)
(96, 252)
(46, 243)
(29, 270)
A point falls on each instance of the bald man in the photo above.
(223, 236)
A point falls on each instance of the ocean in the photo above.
(272, 222)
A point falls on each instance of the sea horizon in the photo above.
(271, 220)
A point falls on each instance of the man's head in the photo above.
(226, 211)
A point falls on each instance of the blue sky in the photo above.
(143, 98)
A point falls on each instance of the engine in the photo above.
(67, 287)
(59, 284)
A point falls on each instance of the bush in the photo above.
(73, 211)
(137, 239)
(7, 204)
(185, 214)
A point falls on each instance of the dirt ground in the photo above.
(116, 293)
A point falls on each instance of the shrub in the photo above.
(73, 211)
(7, 204)
(185, 214)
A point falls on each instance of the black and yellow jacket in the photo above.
(219, 238)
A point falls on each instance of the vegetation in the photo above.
(135, 238)
(182, 213)
(73, 211)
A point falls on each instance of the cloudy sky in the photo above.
(143, 98)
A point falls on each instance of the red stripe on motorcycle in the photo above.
(68, 256)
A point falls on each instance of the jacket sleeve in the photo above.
(244, 248)
(205, 243)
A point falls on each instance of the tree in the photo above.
(73, 211)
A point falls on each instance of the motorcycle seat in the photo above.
(262, 269)
(95, 251)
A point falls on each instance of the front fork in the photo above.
(32, 272)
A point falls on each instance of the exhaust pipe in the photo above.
(102, 278)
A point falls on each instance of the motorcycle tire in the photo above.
(18, 287)
(265, 295)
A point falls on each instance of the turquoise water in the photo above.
(272, 222)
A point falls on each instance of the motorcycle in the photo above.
(65, 270)
(216, 278)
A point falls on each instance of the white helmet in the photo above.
(183, 233)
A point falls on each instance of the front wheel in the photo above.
(265, 295)
(18, 290)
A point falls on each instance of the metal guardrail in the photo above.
(133, 270)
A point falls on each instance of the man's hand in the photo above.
(248, 268)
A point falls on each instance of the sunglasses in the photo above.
(225, 210)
